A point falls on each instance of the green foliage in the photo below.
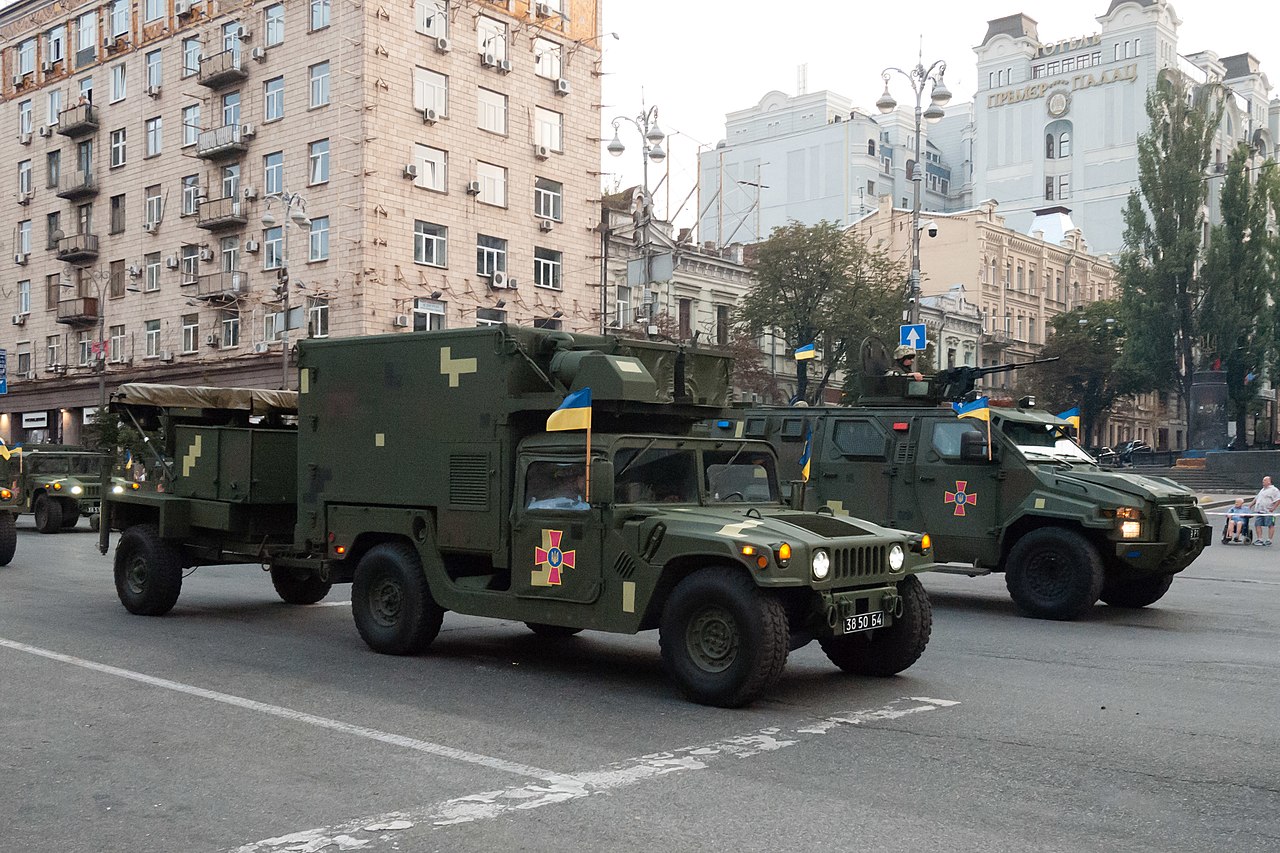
(1088, 342)
(111, 433)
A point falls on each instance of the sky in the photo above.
(696, 60)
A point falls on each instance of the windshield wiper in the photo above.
(634, 459)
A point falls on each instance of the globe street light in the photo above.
(919, 77)
(651, 138)
(295, 207)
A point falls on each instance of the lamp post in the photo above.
(919, 77)
(651, 138)
(100, 280)
(295, 207)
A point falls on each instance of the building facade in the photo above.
(419, 165)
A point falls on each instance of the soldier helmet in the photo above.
(904, 351)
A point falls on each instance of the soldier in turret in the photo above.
(904, 358)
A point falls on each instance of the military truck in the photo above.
(419, 469)
(1028, 502)
(57, 484)
(9, 510)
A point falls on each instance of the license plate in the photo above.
(863, 622)
(1195, 533)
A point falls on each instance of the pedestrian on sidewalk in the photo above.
(1266, 501)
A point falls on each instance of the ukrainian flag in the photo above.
(574, 412)
(807, 456)
(805, 352)
(1073, 416)
(979, 409)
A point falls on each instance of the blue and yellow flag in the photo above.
(1073, 416)
(574, 412)
(807, 456)
(979, 409)
(804, 352)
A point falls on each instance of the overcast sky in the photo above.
(699, 59)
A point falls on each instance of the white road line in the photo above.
(332, 604)
(436, 749)
(488, 805)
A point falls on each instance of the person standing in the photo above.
(1266, 501)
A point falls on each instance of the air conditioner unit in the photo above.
(182, 8)
(545, 225)
(171, 262)
(261, 346)
(248, 131)
(250, 193)
(562, 86)
(401, 321)
(30, 374)
(153, 91)
(473, 188)
(498, 278)
(213, 341)
(488, 60)
(512, 284)
(244, 35)
(18, 78)
(251, 246)
(19, 319)
(45, 131)
(24, 139)
(411, 171)
(206, 254)
(150, 227)
(135, 271)
(109, 42)
(25, 198)
(443, 45)
(46, 66)
(430, 116)
(543, 10)
(258, 54)
(542, 152)
(504, 66)
(20, 258)
(165, 355)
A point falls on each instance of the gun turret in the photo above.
(954, 382)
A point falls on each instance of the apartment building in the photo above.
(184, 171)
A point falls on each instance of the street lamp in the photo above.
(101, 281)
(919, 77)
(295, 207)
(651, 138)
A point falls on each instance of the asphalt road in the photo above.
(239, 723)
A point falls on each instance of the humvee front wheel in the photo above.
(70, 515)
(48, 513)
(724, 640)
(392, 605)
(887, 651)
(8, 537)
(1054, 573)
(299, 586)
(551, 631)
(148, 572)
(1138, 592)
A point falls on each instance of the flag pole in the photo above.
(988, 434)
(588, 489)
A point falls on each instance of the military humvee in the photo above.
(57, 483)
(9, 507)
(1030, 503)
(419, 469)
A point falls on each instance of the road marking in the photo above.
(488, 805)
(436, 749)
(333, 603)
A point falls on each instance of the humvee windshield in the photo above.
(1044, 442)
(75, 466)
(667, 475)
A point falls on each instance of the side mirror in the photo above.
(602, 486)
(973, 447)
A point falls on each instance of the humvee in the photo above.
(57, 484)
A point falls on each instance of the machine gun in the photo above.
(954, 382)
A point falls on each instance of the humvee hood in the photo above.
(782, 524)
(1156, 489)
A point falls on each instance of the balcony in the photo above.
(223, 69)
(78, 248)
(77, 185)
(221, 143)
(997, 339)
(216, 214)
(82, 311)
(225, 286)
(80, 120)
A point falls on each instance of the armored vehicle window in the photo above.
(755, 428)
(1040, 441)
(946, 437)
(660, 475)
(73, 465)
(556, 485)
(858, 438)
(733, 476)
(793, 428)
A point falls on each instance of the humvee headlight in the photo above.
(821, 565)
(1130, 529)
(897, 557)
(117, 489)
(1129, 513)
(75, 490)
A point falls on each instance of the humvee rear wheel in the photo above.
(392, 605)
(8, 537)
(299, 586)
(1138, 592)
(48, 512)
(148, 572)
(70, 515)
(887, 651)
(724, 640)
(544, 630)
(1053, 573)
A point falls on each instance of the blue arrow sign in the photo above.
(912, 336)
(4, 371)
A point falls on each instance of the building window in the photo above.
(622, 304)
(53, 227)
(24, 237)
(53, 350)
(491, 111)
(24, 176)
(490, 316)
(431, 17)
(84, 346)
(319, 74)
(273, 17)
(190, 125)
(230, 247)
(431, 163)
(231, 108)
(26, 118)
(230, 330)
(117, 148)
(549, 128)
(684, 308)
(428, 315)
(491, 37)
(548, 265)
(24, 358)
(430, 91)
(1064, 186)
(318, 317)
(319, 239)
(1048, 189)
(273, 172)
(493, 184)
(24, 297)
(151, 265)
(722, 325)
(190, 263)
(56, 44)
(155, 72)
(190, 333)
(155, 205)
(155, 136)
(1064, 144)
(319, 14)
(491, 255)
(190, 195)
(117, 214)
(319, 162)
(271, 326)
(153, 10)
(548, 199)
(53, 106)
(273, 247)
(119, 82)
(191, 52)
(86, 38)
(273, 99)
(27, 57)
(430, 244)
(546, 59)
(231, 180)
(116, 281)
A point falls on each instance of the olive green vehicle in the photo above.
(58, 484)
(9, 509)
(419, 469)
(1030, 504)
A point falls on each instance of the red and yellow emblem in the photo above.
(551, 559)
(961, 497)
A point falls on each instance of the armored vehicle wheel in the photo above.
(544, 630)
(392, 605)
(48, 512)
(1054, 573)
(1138, 592)
(8, 537)
(70, 516)
(887, 651)
(723, 639)
(299, 586)
(95, 518)
(148, 572)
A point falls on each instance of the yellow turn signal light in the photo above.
(784, 551)
(57, 487)
(5, 494)
(925, 542)
(134, 486)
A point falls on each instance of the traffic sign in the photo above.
(4, 371)
(912, 335)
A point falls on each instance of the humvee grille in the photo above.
(906, 452)
(1187, 512)
(469, 481)
(624, 566)
(852, 563)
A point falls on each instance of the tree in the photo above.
(1087, 341)
(818, 284)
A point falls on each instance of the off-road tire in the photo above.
(391, 602)
(95, 519)
(299, 586)
(8, 537)
(70, 515)
(551, 631)
(1136, 592)
(1054, 573)
(887, 651)
(723, 639)
(148, 572)
(48, 513)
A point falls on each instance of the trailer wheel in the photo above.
(887, 651)
(1053, 573)
(8, 537)
(551, 631)
(148, 572)
(48, 512)
(299, 586)
(392, 605)
(723, 639)
(1138, 592)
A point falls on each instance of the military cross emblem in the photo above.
(551, 559)
(961, 498)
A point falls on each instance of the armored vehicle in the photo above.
(1019, 497)
(419, 468)
(57, 483)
